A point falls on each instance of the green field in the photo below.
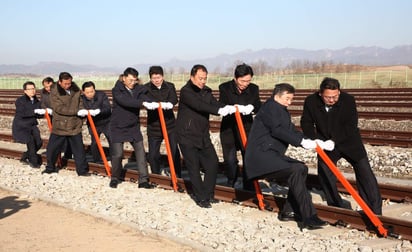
(366, 79)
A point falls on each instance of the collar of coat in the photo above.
(34, 97)
(73, 88)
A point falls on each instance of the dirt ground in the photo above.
(33, 225)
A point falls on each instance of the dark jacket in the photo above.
(272, 132)
(65, 107)
(229, 95)
(166, 93)
(339, 124)
(25, 120)
(45, 99)
(192, 122)
(99, 101)
(124, 122)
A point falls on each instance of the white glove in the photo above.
(328, 145)
(223, 111)
(308, 144)
(94, 112)
(151, 105)
(248, 109)
(82, 113)
(49, 111)
(231, 109)
(166, 105)
(40, 111)
(242, 109)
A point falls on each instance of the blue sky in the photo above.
(124, 32)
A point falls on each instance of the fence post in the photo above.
(360, 79)
(406, 77)
(345, 78)
(304, 80)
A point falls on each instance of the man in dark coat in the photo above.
(66, 103)
(99, 107)
(45, 92)
(330, 114)
(128, 97)
(162, 91)
(47, 83)
(272, 132)
(242, 92)
(25, 126)
(195, 105)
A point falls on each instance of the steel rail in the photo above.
(336, 216)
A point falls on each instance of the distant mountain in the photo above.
(277, 58)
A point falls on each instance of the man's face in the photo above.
(89, 92)
(156, 79)
(30, 91)
(199, 79)
(284, 99)
(47, 86)
(129, 81)
(330, 96)
(65, 84)
(243, 82)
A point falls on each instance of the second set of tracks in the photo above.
(397, 228)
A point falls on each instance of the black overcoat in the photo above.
(166, 93)
(272, 132)
(340, 124)
(195, 106)
(229, 95)
(99, 101)
(25, 120)
(124, 122)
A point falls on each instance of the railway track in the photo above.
(373, 137)
(388, 191)
(336, 216)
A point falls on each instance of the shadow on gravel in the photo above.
(10, 205)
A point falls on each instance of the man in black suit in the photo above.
(128, 97)
(330, 114)
(242, 92)
(271, 134)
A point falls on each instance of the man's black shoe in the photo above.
(86, 174)
(287, 216)
(314, 222)
(214, 201)
(34, 165)
(48, 171)
(146, 185)
(113, 183)
(24, 161)
(204, 203)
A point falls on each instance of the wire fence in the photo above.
(364, 79)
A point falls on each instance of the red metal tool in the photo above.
(168, 150)
(49, 124)
(371, 215)
(243, 138)
(99, 144)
